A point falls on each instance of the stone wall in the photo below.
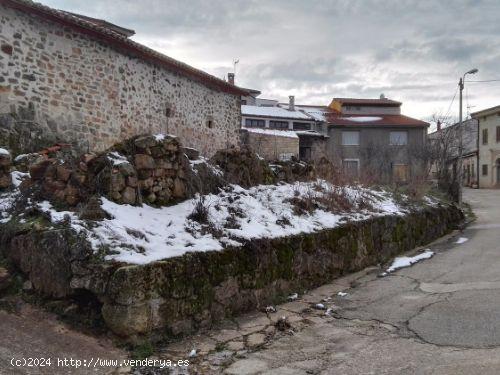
(182, 294)
(5, 165)
(271, 147)
(85, 92)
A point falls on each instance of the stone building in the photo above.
(84, 81)
(280, 131)
(489, 147)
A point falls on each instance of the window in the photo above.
(398, 138)
(400, 172)
(243, 102)
(498, 134)
(283, 125)
(253, 123)
(485, 169)
(351, 167)
(350, 138)
(485, 136)
(210, 122)
(301, 126)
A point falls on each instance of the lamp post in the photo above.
(460, 135)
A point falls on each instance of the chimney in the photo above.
(291, 103)
(230, 78)
(438, 124)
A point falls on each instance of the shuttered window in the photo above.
(398, 138)
(350, 138)
(485, 136)
(498, 134)
(485, 169)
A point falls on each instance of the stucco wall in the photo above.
(89, 93)
(489, 153)
(374, 149)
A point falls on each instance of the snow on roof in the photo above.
(317, 113)
(277, 112)
(4, 152)
(279, 133)
(362, 118)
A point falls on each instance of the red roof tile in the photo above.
(120, 41)
(334, 119)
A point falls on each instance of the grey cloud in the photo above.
(408, 49)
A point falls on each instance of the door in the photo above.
(498, 171)
(351, 167)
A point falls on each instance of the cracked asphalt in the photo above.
(440, 316)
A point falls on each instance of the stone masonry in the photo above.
(92, 94)
(272, 147)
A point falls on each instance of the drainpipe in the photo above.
(478, 153)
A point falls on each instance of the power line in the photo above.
(451, 103)
(485, 80)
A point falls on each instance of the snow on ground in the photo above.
(402, 262)
(462, 240)
(141, 235)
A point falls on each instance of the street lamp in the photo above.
(460, 135)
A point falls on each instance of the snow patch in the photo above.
(362, 118)
(18, 177)
(4, 151)
(402, 262)
(117, 158)
(462, 240)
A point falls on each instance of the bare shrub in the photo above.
(201, 211)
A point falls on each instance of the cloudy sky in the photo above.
(412, 51)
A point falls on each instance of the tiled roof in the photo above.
(370, 102)
(110, 35)
(374, 120)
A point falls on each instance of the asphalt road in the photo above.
(440, 316)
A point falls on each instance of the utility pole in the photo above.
(460, 137)
(460, 142)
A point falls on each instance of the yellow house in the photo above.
(489, 147)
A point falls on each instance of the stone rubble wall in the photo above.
(180, 295)
(5, 166)
(86, 92)
(271, 147)
(143, 169)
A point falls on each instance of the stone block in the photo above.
(63, 173)
(129, 195)
(5, 180)
(143, 161)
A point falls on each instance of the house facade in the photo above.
(489, 147)
(371, 138)
(445, 141)
(279, 132)
(85, 81)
